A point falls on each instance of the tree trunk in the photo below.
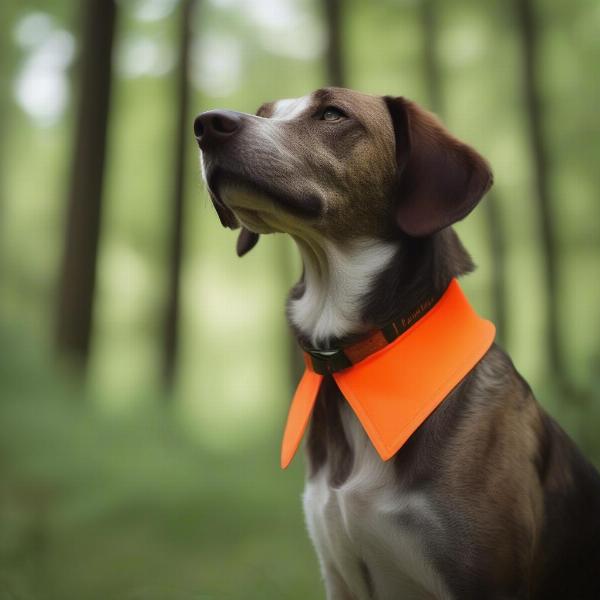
(433, 81)
(433, 78)
(336, 74)
(531, 89)
(498, 264)
(3, 109)
(78, 268)
(295, 362)
(182, 138)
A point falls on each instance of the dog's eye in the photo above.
(332, 114)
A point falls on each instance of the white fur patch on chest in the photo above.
(360, 525)
(336, 283)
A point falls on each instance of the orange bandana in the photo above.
(393, 387)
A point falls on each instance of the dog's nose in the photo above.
(216, 126)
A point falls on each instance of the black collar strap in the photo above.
(325, 361)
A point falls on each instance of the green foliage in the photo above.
(99, 506)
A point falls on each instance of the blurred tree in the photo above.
(83, 221)
(433, 78)
(528, 34)
(429, 16)
(295, 362)
(335, 47)
(7, 11)
(3, 95)
(181, 139)
(498, 251)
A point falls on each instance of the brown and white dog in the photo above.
(489, 498)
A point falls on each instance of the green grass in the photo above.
(100, 507)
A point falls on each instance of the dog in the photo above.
(488, 498)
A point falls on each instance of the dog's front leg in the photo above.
(335, 586)
(323, 520)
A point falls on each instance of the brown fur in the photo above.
(518, 505)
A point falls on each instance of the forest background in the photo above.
(145, 371)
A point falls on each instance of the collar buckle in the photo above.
(325, 362)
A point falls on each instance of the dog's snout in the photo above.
(216, 126)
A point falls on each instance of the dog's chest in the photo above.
(370, 535)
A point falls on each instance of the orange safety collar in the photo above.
(393, 386)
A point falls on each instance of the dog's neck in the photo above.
(337, 278)
(349, 289)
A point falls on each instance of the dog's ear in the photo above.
(246, 241)
(440, 180)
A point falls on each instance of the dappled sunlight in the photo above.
(153, 10)
(285, 27)
(217, 64)
(41, 87)
(145, 56)
(463, 42)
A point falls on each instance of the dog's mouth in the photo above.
(221, 181)
(225, 214)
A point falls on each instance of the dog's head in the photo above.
(340, 164)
